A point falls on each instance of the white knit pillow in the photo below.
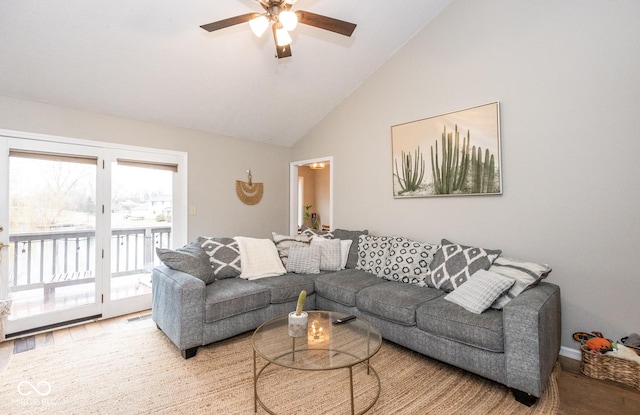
(259, 258)
(331, 253)
(304, 259)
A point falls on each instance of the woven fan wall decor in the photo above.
(248, 192)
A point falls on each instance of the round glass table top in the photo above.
(325, 346)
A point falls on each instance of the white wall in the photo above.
(567, 75)
(215, 163)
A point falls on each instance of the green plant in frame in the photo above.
(482, 172)
(450, 175)
(412, 171)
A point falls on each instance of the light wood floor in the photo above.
(579, 394)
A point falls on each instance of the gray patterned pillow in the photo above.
(453, 264)
(477, 294)
(315, 232)
(526, 274)
(224, 256)
(190, 259)
(285, 242)
(330, 253)
(373, 252)
(304, 259)
(409, 261)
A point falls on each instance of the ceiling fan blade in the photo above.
(326, 23)
(281, 51)
(231, 21)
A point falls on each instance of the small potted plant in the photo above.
(298, 319)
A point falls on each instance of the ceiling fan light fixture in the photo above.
(291, 1)
(288, 19)
(259, 25)
(282, 36)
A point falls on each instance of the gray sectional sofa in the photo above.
(516, 346)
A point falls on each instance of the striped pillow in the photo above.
(304, 259)
(285, 242)
(480, 291)
(526, 274)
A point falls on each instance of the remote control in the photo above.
(344, 320)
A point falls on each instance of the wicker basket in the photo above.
(607, 367)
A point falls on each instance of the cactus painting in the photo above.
(463, 159)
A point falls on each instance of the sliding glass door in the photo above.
(49, 254)
(80, 224)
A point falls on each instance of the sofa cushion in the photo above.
(445, 319)
(453, 264)
(190, 259)
(342, 286)
(224, 256)
(408, 261)
(287, 287)
(285, 242)
(526, 274)
(233, 296)
(304, 259)
(477, 294)
(395, 301)
(342, 234)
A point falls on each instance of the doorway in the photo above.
(311, 194)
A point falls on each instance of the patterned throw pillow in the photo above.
(454, 264)
(331, 253)
(315, 232)
(190, 259)
(526, 274)
(304, 259)
(477, 294)
(409, 261)
(285, 242)
(373, 252)
(224, 256)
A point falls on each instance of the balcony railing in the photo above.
(37, 257)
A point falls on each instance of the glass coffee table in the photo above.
(325, 347)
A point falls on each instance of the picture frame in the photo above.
(453, 154)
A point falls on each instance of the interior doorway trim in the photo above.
(293, 190)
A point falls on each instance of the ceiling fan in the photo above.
(278, 13)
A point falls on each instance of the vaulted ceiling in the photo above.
(149, 60)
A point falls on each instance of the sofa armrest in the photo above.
(178, 306)
(532, 323)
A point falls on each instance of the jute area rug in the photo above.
(141, 372)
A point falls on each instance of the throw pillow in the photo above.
(315, 232)
(354, 236)
(190, 259)
(304, 259)
(373, 252)
(526, 274)
(260, 258)
(224, 256)
(285, 242)
(453, 264)
(345, 248)
(477, 294)
(409, 261)
(330, 253)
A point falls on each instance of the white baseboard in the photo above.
(570, 353)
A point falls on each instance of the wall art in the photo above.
(453, 154)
